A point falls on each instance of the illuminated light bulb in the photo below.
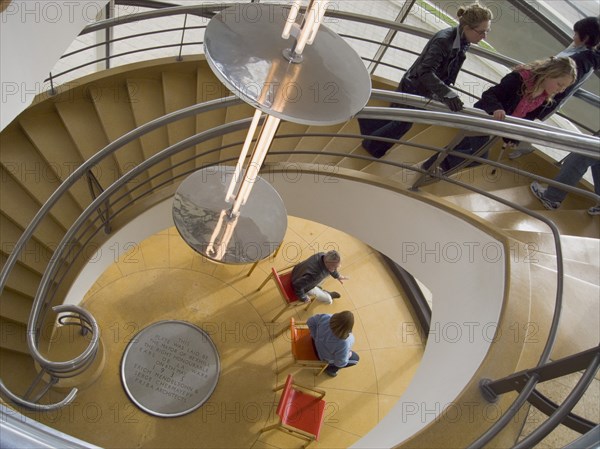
(258, 156)
(223, 242)
(229, 196)
(310, 27)
(291, 19)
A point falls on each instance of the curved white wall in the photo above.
(463, 267)
(33, 36)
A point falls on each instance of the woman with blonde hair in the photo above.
(432, 74)
(333, 340)
(522, 93)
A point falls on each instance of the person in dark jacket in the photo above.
(522, 93)
(432, 74)
(586, 54)
(308, 275)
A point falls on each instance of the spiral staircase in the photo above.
(54, 139)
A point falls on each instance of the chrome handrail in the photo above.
(477, 122)
(436, 113)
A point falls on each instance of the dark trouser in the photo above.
(572, 170)
(354, 358)
(469, 145)
(382, 128)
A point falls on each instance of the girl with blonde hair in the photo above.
(522, 93)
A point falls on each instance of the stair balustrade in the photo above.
(104, 201)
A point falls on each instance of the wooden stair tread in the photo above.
(339, 145)
(209, 88)
(578, 312)
(34, 256)
(112, 105)
(15, 306)
(14, 336)
(357, 164)
(583, 249)
(81, 121)
(21, 208)
(147, 104)
(312, 143)
(410, 155)
(285, 143)
(179, 90)
(54, 144)
(483, 176)
(574, 222)
(22, 160)
(22, 279)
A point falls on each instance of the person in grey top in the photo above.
(310, 273)
(333, 340)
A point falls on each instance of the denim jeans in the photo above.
(353, 360)
(572, 170)
(469, 145)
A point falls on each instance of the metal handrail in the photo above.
(472, 120)
(111, 148)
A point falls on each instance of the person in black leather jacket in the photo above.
(432, 73)
(523, 93)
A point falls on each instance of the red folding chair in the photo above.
(300, 411)
(284, 286)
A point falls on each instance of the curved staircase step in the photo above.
(31, 173)
(83, 125)
(21, 207)
(15, 306)
(147, 104)
(484, 177)
(578, 328)
(285, 143)
(114, 111)
(407, 154)
(416, 132)
(51, 139)
(582, 249)
(179, 90)
(315, 143)
(343, 145)
(234, 113)
(569, 222)
(587, 272)
(22, 279)
(14, 336)
(34, 256)
(209, 88)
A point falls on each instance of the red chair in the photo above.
(284, 285)
(300, 411)
(303, 350)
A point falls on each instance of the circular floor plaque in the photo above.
(170, 368)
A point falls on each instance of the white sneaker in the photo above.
(539, 191)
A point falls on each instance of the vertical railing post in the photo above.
(104, 213)
(52, 89)
(179, 57)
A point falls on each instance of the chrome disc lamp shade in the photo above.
(289, 67)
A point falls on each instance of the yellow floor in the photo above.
(162, 279)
